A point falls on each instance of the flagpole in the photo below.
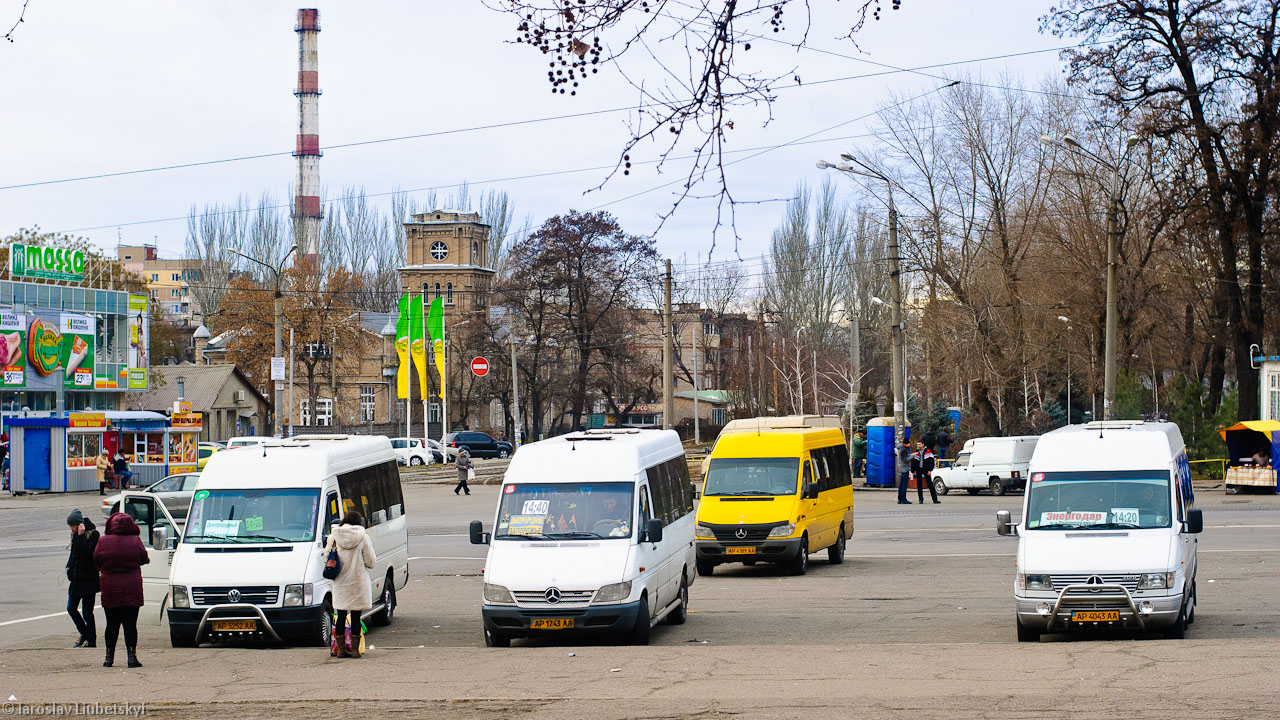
(426, 416)
(444, 379)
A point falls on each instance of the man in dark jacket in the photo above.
(858, 451)
(923, 461)
(82, 573)
(904, 457)
(943, 439)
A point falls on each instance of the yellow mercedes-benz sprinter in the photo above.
(775, 495)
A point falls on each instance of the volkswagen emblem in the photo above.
(233, 595)
(552, 596)
(741, 534)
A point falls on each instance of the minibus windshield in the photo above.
(565, 511)
(269, 515)
(752, 476)
(1103, 500)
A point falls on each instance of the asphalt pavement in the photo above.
(917, 623)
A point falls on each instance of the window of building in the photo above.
(304, 412)
(433, 412)
(448, 296)
(155, 277)
(176, 308)
(1273, 392)
(155, 294)
(437, 289)
(368, 401)
(475, 253)
(324, 412)
(717, 416)
(496, 417)
(709, 328)
(176, 277)
(175, 293)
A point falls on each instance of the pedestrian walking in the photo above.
(120, 556)
(351, 591)
(103, 464)
(82, 576)
(922, 462)
(858, 448)
(124, 475)
(904, 458)
(466, 471)
(943, 439)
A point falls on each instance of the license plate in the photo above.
(740, 551)
(235, 625)
(1095, 615)
(551, 624)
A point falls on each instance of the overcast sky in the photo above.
(93, 87)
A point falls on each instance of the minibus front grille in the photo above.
(567, 598)
(248, 595)
(1130, 582)
(742, 533)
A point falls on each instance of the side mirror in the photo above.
(478, 535)
(652, 531)
(1195, 521)
(810, 491)
(1004, 523)
(160, 538)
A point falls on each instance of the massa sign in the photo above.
(48, 263)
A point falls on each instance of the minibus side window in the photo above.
(661, 498)
(840, 465)
(646, 512)
(808, 476)
(330, 514)
(684, 487)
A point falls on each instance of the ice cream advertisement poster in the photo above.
(139, 339)
(79, 333)
(13, 347)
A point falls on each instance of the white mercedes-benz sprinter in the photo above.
(1108, 531)
(250, 561)
(593, 532)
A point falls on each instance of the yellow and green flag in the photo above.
(435, 329)
(418, 343)
(402, 349)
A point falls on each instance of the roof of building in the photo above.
(201, 332)
(201, 386)
(719, 397)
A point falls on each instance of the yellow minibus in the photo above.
(775, 495)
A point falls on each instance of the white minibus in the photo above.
(249, 563)
(1108, 532)
(593, 532)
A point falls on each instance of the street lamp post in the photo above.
(895, 304)
(1067, 320)
(276, 270)
(1113, 242)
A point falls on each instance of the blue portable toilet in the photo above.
(880, 451)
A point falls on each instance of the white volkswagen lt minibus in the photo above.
(249, 563)
(1108, 532)
(593, 532)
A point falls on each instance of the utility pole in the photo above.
(693, 347)
(1109, 360)
(277, 270)
(899, 357)
(817, 406)
(515, 388)
(855, 356)
(668, 399)
(293, 360)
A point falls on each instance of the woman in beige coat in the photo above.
(351, 590)
(104, 467)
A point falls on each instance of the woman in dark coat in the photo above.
(82, 574)
(120, 556)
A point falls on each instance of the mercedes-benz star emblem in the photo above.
(234, 595)
(552, 596)
(741, 534)
(1094, 580)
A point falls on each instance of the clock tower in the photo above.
(448, 257)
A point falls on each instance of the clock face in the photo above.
(439, 250)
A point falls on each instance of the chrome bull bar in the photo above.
(1101, 593)
(258, 616)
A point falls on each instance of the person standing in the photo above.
(82, 574)
(103, 464)
(924, 462)
(120, 556)
(351, 591)
(944, 439)
(858, 448)
(464, 471)
(904, 458)
(121, 468)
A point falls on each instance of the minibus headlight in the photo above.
(1155, 581)
(616, 592)
(702, 532)
(298, 595)
(1034, 582)
(783, 530)
(496, 594)
(179, 595)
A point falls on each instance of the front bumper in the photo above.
(768, 550)
(274, 623)
(514, 621)
(1164, 609)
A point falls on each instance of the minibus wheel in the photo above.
(680, 614)
(321, 636)
(1026, 634)
(706, 568)
(997, 486)
(640, 633)
(1178, 630)
(835, 553)
(181, 638)
(493, 639)
(799, 565)
(388, 600)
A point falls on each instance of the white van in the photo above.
(998, 464)
(593, 532)
(1108, 532)
(250, 561)
(247, 441)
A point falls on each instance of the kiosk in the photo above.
(55, 454)
(1244, 441)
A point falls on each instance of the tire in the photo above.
(1026, 634)
(1191, 608)
(321, 634)
(639, 634)
(503, 453)
(973, 491)
(680, 614)
(997, 486)
(415, 460)
(1179, 629)
(940, 487)
(799, 565)
(495, 639)
(181, 638)
(835, 553)
(706, 568)
(388, 613)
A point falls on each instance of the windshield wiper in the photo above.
(262, 537)
(1058, 526)
(1117, 526)
(205, 537)
(743, 492)
(577, 534)
(530, 536)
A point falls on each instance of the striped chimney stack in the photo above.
(307, 212)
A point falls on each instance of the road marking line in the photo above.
(932, 555)
(443, 557)
(38, 617)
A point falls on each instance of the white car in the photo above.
(998, 464)
(412, 451)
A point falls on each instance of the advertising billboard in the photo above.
(13, 347)
(139, 342)
(47, 263)
(79, 333)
